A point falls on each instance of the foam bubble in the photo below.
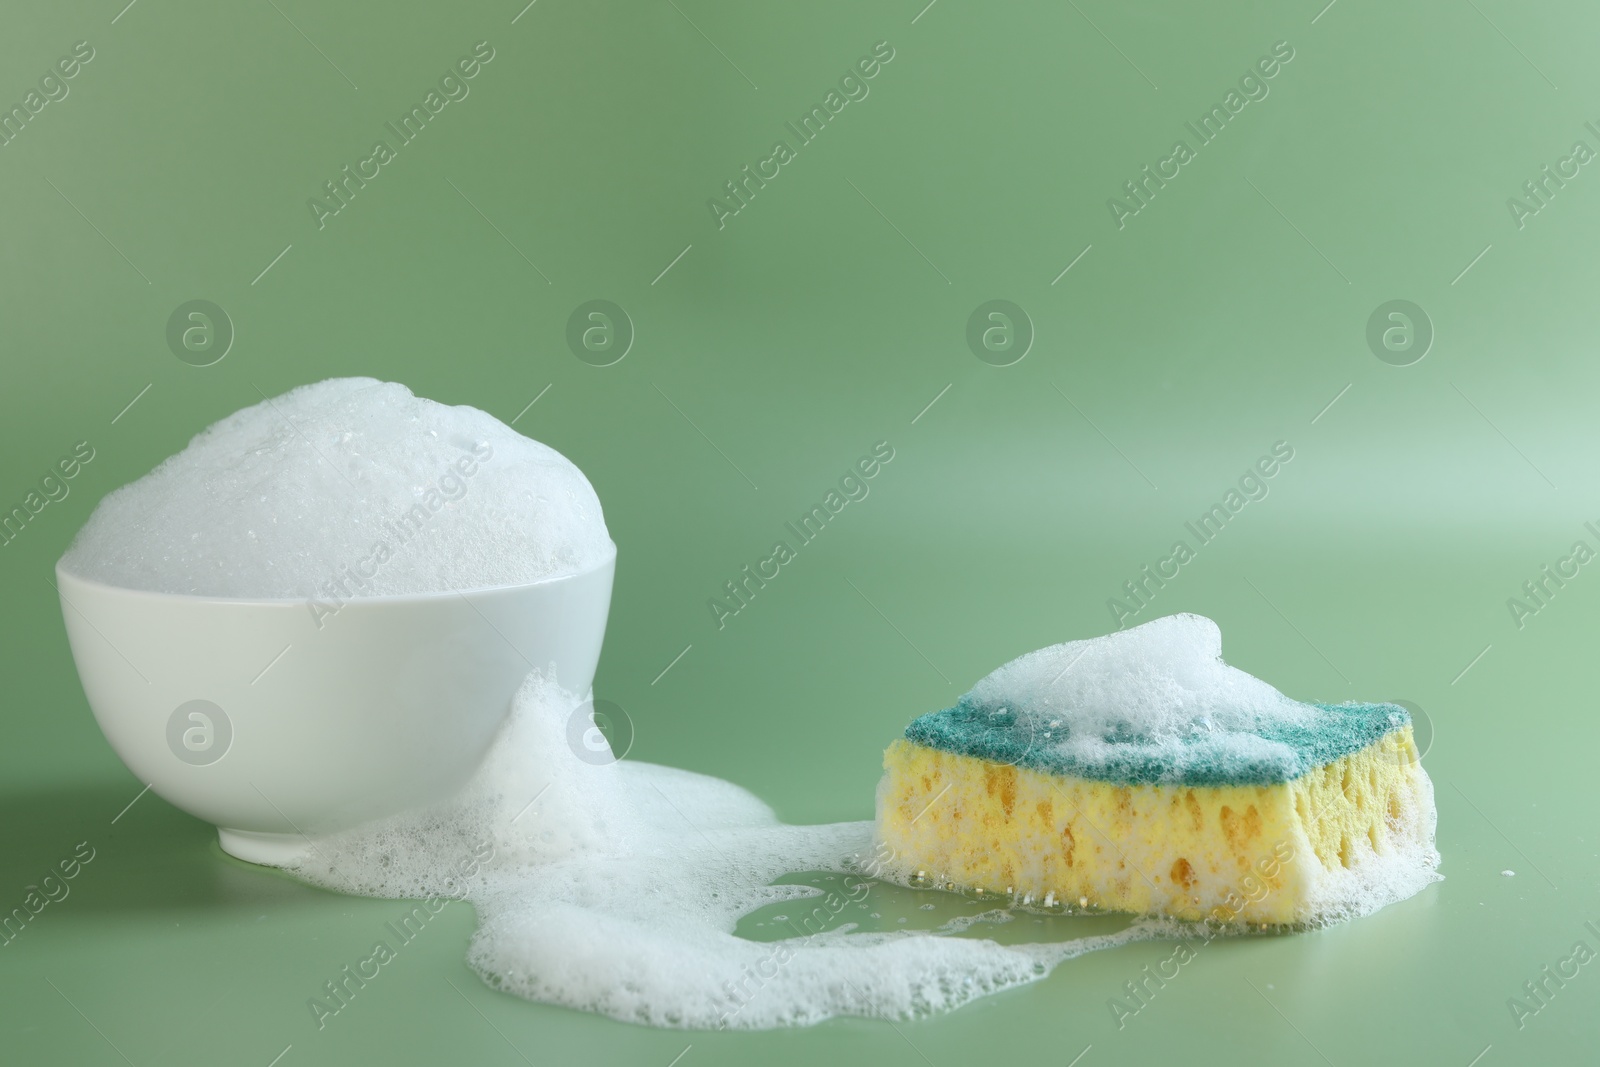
(351, 481)
(618, 890)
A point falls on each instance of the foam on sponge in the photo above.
(352, 481)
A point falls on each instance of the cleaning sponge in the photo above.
(1138, 772)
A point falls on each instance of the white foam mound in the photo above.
(1163, 678)
(353, 482)
(617, 891)
(1159, 692)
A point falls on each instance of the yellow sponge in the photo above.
(1139, 772)
(1342, 838)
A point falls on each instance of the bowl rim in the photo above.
(79, 580)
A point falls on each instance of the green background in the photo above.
(1224, 317)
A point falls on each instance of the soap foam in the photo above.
(348, 487)
(617, 890)
(1157, 692)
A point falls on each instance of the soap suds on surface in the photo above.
(617, 890)
(349, 481)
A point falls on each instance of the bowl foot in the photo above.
(253, 846)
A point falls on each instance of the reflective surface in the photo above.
(1249, 300)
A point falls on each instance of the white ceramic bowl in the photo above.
(248, 714)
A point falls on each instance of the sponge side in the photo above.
(1343, 839)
